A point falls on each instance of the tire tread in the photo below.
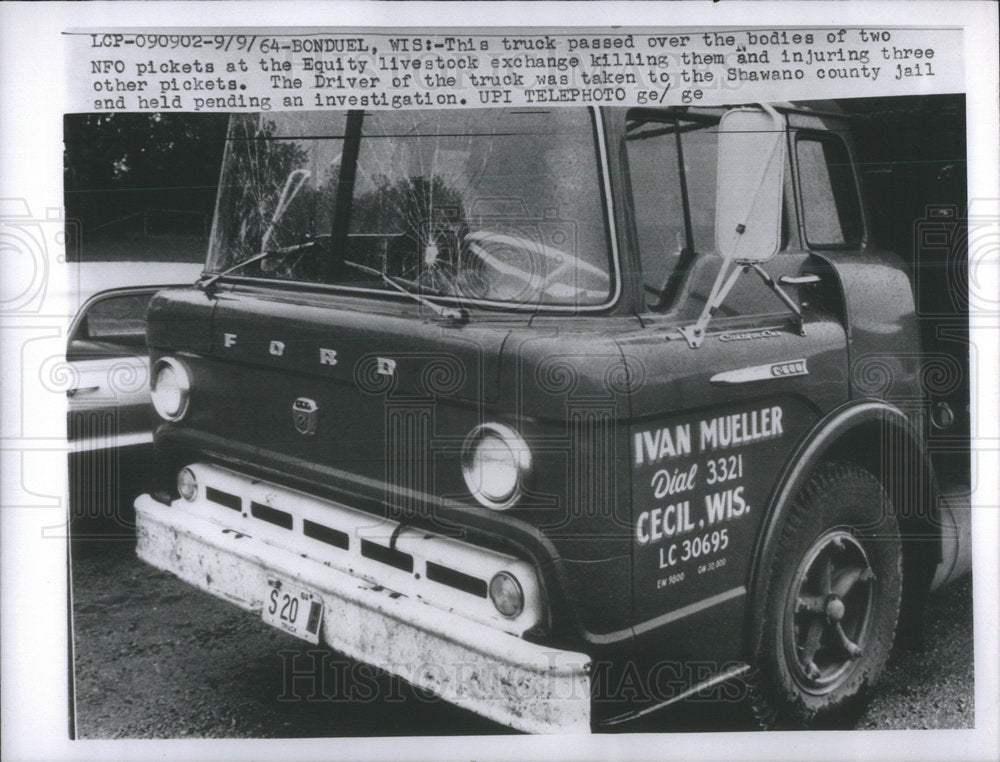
(775, 702)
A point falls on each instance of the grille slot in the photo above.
(456, 579)
(272, 515)
(326, 534)
(225, 499)
(388, 556)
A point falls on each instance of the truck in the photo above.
(562, 414)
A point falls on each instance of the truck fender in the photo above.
(881, 438)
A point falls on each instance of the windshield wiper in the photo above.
(448, 313)
(208, 281)
(293, 184)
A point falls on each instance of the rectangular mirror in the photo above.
(750, 175)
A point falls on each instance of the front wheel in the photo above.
(832, 599)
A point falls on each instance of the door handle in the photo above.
(798, 280)
(81, 390)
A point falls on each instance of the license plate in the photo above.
(293, 609)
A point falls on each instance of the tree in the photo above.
(119, 164)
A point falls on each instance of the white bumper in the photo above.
(495, 674)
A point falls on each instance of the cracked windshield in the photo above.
(489, 205)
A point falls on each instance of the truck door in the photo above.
(714, 420)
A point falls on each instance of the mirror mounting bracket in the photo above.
(695, 334)
(772, 284)
(724, 282)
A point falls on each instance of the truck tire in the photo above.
(828, 613)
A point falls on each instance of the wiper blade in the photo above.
(448, 313)
(293, 184)
(208, 281)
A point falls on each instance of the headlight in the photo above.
(506, 594)
(495, 462)
(170, 388)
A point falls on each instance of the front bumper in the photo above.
(495, 674)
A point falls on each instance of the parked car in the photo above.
(109, 424)
(562, 414)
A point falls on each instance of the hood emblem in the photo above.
(305, 414)
(762, 372)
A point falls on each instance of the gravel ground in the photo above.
(933, 688)
(157, 659)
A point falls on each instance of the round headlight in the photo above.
(495, 462)
(506, 594)
(187, 484)
(170, 388)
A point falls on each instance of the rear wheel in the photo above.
(831, 603)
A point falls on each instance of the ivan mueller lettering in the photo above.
(713, 434)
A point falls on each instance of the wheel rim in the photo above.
(828, 614)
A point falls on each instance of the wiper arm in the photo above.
(448, 313)
(293, 184)
(209, 280)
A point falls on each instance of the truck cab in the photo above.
(561, 414)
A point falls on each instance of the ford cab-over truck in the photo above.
(561, 414)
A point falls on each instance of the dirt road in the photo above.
(157, 659)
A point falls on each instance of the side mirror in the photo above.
(749, 184)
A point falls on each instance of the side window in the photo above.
(118, 320)
(659, 210)
(830, 210)
(658, 183)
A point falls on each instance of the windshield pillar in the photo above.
(342, 198)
